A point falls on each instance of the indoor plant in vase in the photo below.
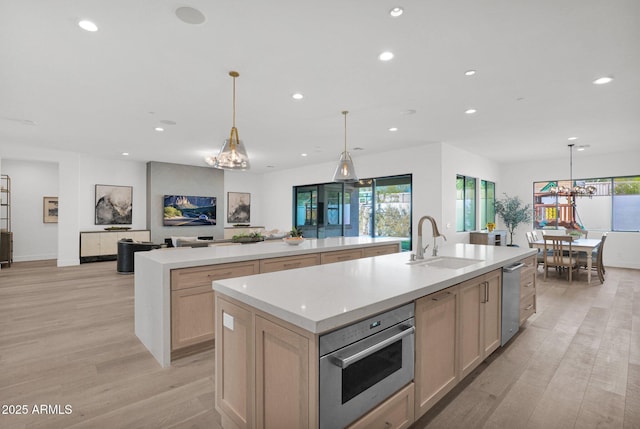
(513, 212)
(295, 236)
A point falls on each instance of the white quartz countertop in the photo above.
(181, 257)
(323, 297)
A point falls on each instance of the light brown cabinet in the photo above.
(436, 369)
(380, 250)
(340, 256)
(266, 371)
(192, 304)
(397, 412)
(480, 315)
(528, 289)
(289, 262)
(493, 238)
(96, 245)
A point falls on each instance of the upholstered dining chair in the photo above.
(558, 253)
(596, 259)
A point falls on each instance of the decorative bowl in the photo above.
(294, 241)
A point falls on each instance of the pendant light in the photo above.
(345, 172)
(233, 155)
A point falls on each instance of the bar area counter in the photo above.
(174, 302)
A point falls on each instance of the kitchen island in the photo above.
(268, 329)
(173, 297)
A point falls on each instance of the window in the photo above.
(615, 205)
(487, 203)
(465, 203)
(377, 207)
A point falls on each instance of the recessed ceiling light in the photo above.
(358, 148)
(87, 25)
(125, 153)
(572, 138)
(603, 80)
(159, 129)
(470, 111)
(469, 72)
(582, 147)
(190, 15)
(386, 56)
(297, 96)
(303, 154)
(271, 166)
(396, 12)
(393, 129)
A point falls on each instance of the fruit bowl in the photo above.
(294, 241)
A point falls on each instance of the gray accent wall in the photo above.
(177, 179)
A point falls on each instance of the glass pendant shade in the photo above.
(233, 155)
(345, 171)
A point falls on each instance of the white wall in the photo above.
(517, 180)
(433, 166)
(30, 182)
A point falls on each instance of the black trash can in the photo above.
(126, 248)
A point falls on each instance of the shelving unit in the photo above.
(6, 236)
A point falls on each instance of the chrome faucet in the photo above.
(420, 250)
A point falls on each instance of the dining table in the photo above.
(587, 245)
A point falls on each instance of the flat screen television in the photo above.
(187, 210)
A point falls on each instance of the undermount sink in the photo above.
(446, 262)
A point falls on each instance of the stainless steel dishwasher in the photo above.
(510, 301)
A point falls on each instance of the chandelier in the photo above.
(573, 190)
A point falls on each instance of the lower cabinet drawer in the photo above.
(380, 250)
(527, 285)
(397, 412)
(527, 307)
(340, 256)
(288, 263)
(183, 278)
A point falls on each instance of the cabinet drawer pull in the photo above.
(292, 264)
(439, 297)
(342, 258)
(529, 307)
(227, 273)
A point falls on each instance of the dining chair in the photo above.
(558, 253)
(530, 239)
(596, 259)
(534, 235)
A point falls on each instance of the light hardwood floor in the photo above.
(66, 337)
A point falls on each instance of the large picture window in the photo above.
(376, 207)
(615, 205)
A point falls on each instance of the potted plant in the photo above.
(513, 212)
(295, 236)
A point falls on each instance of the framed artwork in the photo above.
(50, 209)
(238, 207)
(114, 205)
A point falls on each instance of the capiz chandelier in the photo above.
(574, 190)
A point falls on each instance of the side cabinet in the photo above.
(436, 371)
(266, 370)
(192, 303)
(480, 319)
(528, 289)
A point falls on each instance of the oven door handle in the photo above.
(344, 362)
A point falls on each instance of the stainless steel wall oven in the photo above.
(363, 364)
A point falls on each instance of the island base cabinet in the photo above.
(266, 370)
(396, 412)
(436, 370)
(480, 319)
(234, 363)
(187, 330)
(282, 377)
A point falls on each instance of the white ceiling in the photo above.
(104, 92)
